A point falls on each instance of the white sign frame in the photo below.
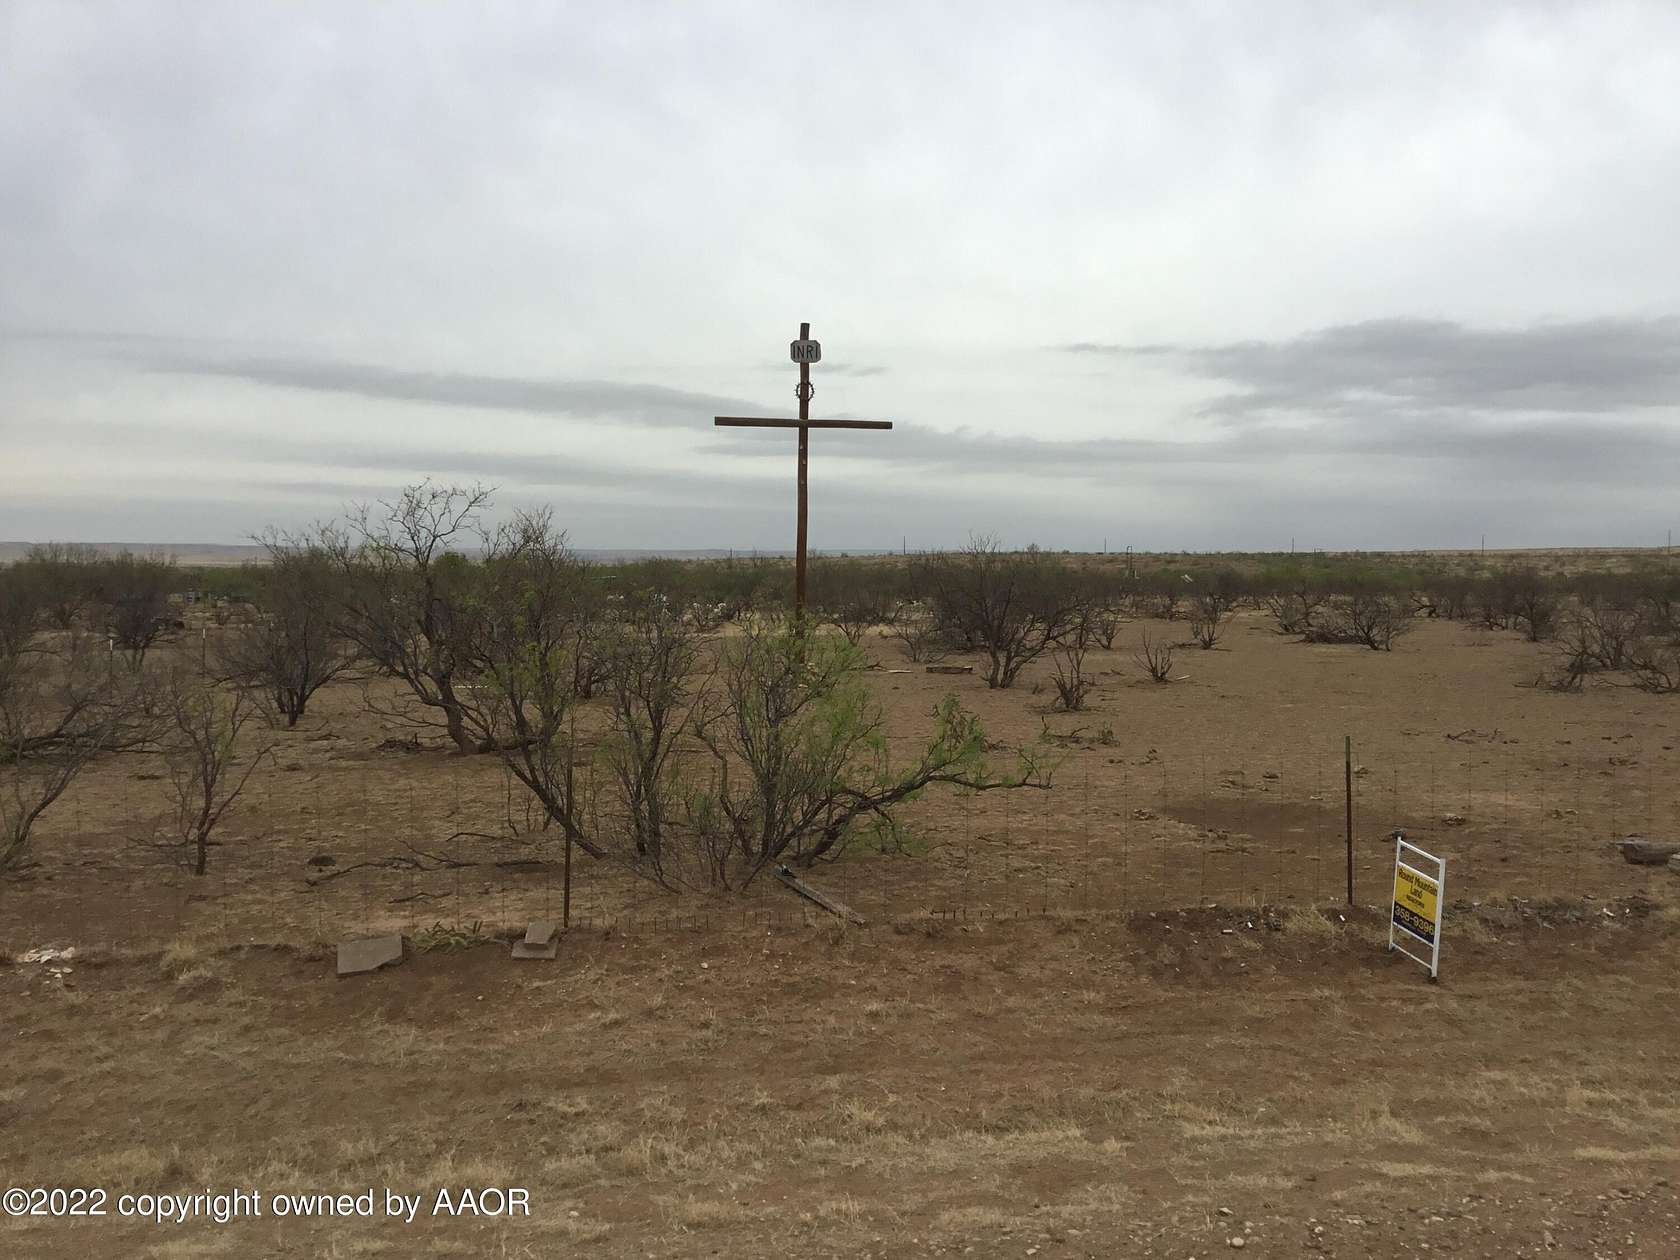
(1399, 933)
(807, 350)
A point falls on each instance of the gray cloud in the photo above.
(1586, 366)
(1341, 414)
(1457, 401)
(399, 461)
(666, 407)
(420, 227)
(772, 367)
(645, 404)
(846, 369)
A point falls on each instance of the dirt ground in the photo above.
(1061, 1086)
(1103, 1020)
(1223, 787)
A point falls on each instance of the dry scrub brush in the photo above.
(405, 597)
(293, 647)
(1211, 612)
(1373, 618)
(1297, 608)
(1154, 657)
(1073, 685)
(919, 635)
(719, 758)
(64, 699)
(206, 773)
(1014, 606)
(800, 763)
(855, 596)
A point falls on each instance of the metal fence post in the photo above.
(1347, 776)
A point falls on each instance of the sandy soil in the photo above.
(1225, 786)
(1155, 1086)
(1034, 1049)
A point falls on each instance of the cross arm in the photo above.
(760, 422)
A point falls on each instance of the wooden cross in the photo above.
(803, 352)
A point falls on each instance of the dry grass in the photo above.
(1398, 1169)
(1309, 922)
(820, 1088)
(975, 1220)
(692, 1213)
(813, 1131)
(138, 1168)
(1668, 1156)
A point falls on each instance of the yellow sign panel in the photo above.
(1416, 903)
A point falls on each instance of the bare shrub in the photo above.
(31, 783)
(1155, 658)
(592, 663)
(407, 601)
(1526, 596)
(292, 647)
(918, 634)
(63, 700)
(653, 688)
(201, 758)
(1574, 657)
(1655, 666)
(1073, 685)
(133, 599)
(1490, 602)
(1104, 625)
(1373, 618)
(1013, 606)
(22, 614)
(1295, 603)
(853, 596)
(1659, 606)
(66, 575)
(524, 658)
(794, 741)
(1210, 613)
(735, 587)
(1609, 633)
(1160, 598)
(1449, 596)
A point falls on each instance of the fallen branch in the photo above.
(422, 861)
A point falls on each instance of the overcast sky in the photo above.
(1177, 276)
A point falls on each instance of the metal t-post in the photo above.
(1347, 766)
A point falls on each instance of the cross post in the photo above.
(804, 392)
(804, 352)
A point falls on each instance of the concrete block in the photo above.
(356, 957)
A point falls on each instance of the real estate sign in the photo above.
(1415, 919)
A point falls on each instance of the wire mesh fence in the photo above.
(1112, 835)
